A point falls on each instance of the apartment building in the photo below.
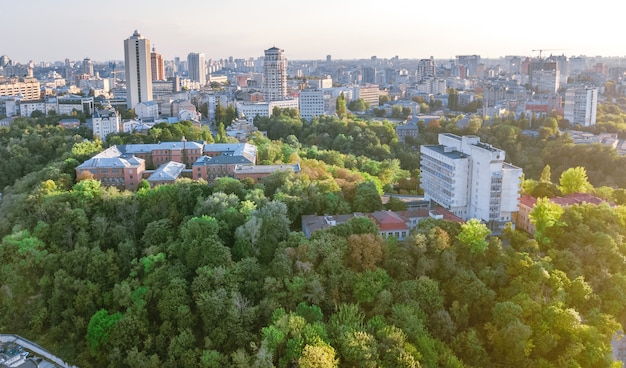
(470, 179)
(106, 121)
(581, 104)
(27, 88)
(311, 103)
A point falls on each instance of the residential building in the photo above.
(157, 66)
(468, 64)
(426, 68)
(274, 74)
(311, 103)
(368, 75)
(544, 75)
(581, 104)
(147, 110)
(138, 70)
(26, 88)
(369, 93)
(105, 122)
(197, 68)
(470, 179)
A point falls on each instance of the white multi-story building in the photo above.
(138, 70)
(105, 122)
(581, 105)
(197, 68)
(275, 74)
(67, 104)
(311, 102)
(263, 109)
(470, 179)
(148, 110)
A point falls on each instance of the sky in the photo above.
(44, 30)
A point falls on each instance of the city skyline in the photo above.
(344, 30)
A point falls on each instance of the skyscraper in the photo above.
(87, 67)
(138, 70)
(197, 67)
(275, 75)
(158, 67)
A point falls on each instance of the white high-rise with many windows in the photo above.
(274, 74)
(470, 179)
(138, 70)
(581, 105)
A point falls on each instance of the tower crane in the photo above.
(541, 50)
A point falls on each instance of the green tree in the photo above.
(473, 234)
(574, 180)
(544, 215)
(342, 109)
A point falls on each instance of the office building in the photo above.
(275, 74)
(197, 68)
(470, 179)
(138, 70)
(158, 67)
(581, 104)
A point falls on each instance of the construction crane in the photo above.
(541, 50)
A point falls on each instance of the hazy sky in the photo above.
(45, 30)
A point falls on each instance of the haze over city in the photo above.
(49, 31)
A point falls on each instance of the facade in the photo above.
(264, 109)
(275, 74)
(27, 88)
(311, 103)
(67, 104)
(197, 68)
(369, 93)
(544, 75)
(105, 122)
(470, 179)
(157, 66)
(148, 110)
(113, 168)
(581, 105)
(138, 70)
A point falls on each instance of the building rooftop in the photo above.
(446, 151)
(169, 171)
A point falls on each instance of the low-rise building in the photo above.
(258, 172)
(390, 223)
(527, 203)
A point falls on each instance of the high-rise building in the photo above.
(544, 75)
(275, 74)
(197, 68)
(470, 179)
(368, 75)
(158, 67)
(87, 67)
(581, 104)
(138, 70)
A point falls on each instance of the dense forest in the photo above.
(198, 274)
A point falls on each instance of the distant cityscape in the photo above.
(168, 90)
